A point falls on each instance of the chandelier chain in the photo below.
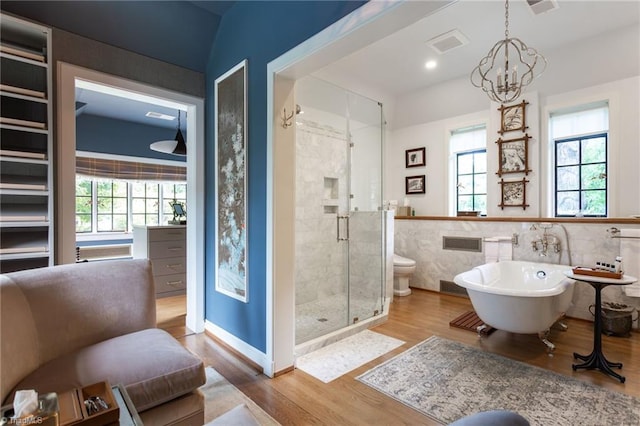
(506, 19)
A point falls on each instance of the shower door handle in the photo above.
(344, 217)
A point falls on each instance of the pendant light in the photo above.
(498, 74)
(177, 146)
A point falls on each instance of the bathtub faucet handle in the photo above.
(535, 244)
(514, 239)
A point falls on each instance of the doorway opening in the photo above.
(69, 77)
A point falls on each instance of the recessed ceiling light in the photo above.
(161, 116)
(430, 65)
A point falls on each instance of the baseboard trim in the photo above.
(237, 347)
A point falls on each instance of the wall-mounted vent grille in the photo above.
(462, 244)
(450, 287)
(448, 41)
(542, 6)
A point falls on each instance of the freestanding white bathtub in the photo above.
(519, 297)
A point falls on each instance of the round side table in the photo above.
(596, 359)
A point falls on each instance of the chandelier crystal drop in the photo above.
(509, 66)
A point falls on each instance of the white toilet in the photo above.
(403, 268)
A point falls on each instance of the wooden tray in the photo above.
(579, 270)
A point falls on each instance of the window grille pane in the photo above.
(480, 184)
(105, 189)
(120, 205)
(138, 219)
(465, 184)
(568, 153)
(119, 189)
(152, 219)
(593, 176)
(105, 205)
(104, 223)
(568, 178)
(480, 203)
(83, 222)
(465, 164)
(83, 205)
(465, 203)
(151, 205)
(594, 150)
(137, 189)
(594, 203)
(119, 222)
(137, 205)
(568, 203)
(152, 190)
(480, 162)
(83, 187)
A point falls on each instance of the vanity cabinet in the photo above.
(26, 146)
(166, 248)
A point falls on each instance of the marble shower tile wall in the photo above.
(320, 153)
(585, 244)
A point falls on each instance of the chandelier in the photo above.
(502, 84)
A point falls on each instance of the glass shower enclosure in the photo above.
(339, 263)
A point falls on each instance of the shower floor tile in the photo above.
(320, 317)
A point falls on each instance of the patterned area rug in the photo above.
(332, 361)
(447, 380)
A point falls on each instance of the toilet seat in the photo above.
(402, 261)
(403, 269)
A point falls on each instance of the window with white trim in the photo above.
(106, 205)
(580, 146)
(467, 147)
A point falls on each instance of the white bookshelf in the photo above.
(26, 146)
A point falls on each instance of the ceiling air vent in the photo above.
(153, 114)
(542, 6)
(448, 41)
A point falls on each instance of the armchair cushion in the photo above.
(158, 369)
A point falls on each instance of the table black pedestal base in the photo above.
(596, 360)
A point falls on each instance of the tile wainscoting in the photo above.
(588, 243)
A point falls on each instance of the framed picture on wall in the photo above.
(512, 118)
(414, 184)
(231, 183)
(514, 193)
(415, 157)
(513, 155)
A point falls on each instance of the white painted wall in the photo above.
(624, 153)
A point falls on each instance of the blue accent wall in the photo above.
(109, 136)
(177, 32)
(259, 31)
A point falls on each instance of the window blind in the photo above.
(129, 170)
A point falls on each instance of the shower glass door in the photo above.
(339, 238)
(365, 261)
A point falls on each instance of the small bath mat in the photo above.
(470, 321)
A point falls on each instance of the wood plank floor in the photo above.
(295, 398)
